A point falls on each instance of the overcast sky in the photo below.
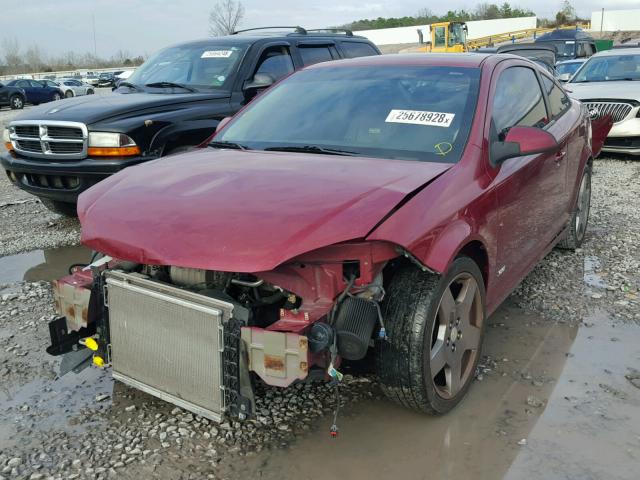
(143, 26)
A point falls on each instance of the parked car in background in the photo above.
(566, 68)
(122, 76)
(12, 96)
(74, 88)
(543, 55)
(91, 80)
(569, 43)
(172, 102)
(106, 79)
(609, 84)
(304, 238)
(38, 92)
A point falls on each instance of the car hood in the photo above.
(243, 211)
(620, 90)
(93, 108)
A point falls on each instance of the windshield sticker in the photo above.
(217, 54)
(443, 148)
(420, 117)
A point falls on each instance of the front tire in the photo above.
(61, 208)
(580, 215)
(16, 102)
(435, 327)
(68, 94)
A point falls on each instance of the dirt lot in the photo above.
(559, 380)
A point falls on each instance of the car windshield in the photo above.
(609, 68)
(564, 48)
(410, 113)
(569, 68)
(201, 66)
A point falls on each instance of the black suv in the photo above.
(13, 97)
(172, 102)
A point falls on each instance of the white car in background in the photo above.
(609, 84)
(71, 87)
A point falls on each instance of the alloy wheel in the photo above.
(17, 102)
(456, 336)
(56, 96)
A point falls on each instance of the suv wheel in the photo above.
(61, 208)
(16, 102)
(435, 326)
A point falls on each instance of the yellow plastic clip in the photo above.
(98, 361)
(91, 344)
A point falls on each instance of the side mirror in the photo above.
(222, 123)
(564, 77)
(259, 81)
(522, 141)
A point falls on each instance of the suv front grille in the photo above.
(49, 139)
(618, 110)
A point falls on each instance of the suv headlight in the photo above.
(6, 139)
(108, 144)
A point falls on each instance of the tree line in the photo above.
(16, 59)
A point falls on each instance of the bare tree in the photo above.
(34, 59)
(225, 17)
(11, 50)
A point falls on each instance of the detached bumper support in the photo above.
(63, 341)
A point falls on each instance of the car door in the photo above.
(40, 91)
(527, 187)
(28, 90)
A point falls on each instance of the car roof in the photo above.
(564, 34)
(619, 52)
(472, 60)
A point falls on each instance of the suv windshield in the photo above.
(569, 68)
(564, 48)
(200, 66)
(412, 113)
(609, 68)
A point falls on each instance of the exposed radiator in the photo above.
(168, 342)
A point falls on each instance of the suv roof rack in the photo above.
(297, 29)
(347, 32)
(300, 31)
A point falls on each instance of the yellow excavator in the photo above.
(448, 37)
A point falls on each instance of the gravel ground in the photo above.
(111, 431)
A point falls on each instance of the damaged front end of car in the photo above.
(200, 338)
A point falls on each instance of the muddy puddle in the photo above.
(41, 264)
(556, 404)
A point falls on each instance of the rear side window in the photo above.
(311, 55)
(558, 100)
(357, 49)
(518, 101)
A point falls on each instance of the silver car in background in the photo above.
(72, 87)
(609, 84)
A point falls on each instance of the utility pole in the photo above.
(95, 47)
(601, 21)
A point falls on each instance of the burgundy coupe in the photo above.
(373, 210)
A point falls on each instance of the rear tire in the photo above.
(580, 215)
(16, 102)
(430, 358)
(61, 208)
(90, 92)
(56, 97)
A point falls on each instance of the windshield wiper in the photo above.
(223, 144)
(310, 149)
(170, 85)
(130, 85)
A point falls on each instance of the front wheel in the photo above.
(16, 102)
(68, 94)
(580, 215)
(90, 92)
(435, 328)
(61, 208)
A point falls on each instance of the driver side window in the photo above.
(518, 101)
(276, 61)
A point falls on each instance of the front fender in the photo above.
(446, 245)
(191, 132)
